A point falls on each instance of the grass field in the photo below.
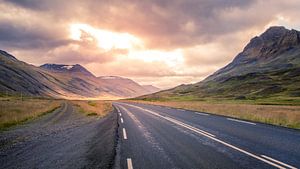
(14, 111)
(286, 116)
(93, 108)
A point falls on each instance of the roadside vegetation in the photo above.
(93, 108)
(286, 116)
(16, 110)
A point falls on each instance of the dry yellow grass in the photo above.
(95, 107)
(287, 116)
(14, 111)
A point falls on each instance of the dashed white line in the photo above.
(124, 134)
(241, 121)
(279, 162)
(120, 114)
(206, 134)
(122, 121)
(204, 114)
(129, 163)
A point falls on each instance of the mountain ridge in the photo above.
(76, 68)
(267, 67)
(60, 81)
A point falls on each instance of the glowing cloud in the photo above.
(106, 40)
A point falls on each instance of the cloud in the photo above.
(207, 33)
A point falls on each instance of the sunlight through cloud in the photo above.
(106, 40)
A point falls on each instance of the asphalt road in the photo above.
(161, 137)
(62, 139)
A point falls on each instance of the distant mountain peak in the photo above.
(274, 32)
(77, 68)
(273, 41)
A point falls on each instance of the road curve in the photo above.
(161, 137)
(61, 139)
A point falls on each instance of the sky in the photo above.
(160, 42)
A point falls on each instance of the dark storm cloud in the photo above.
(28, 37)
(37, 4)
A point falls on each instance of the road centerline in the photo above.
(129, 163)
(124, 134)
(279, 162)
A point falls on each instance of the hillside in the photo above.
(61, 81)
(151, 88)
(267, 68)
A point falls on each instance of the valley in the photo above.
(149, 84)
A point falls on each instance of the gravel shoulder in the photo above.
(64, 138)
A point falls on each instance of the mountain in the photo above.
(151, 88)
(78, 69)
(123, 85)
(268, 67)
(62, 81)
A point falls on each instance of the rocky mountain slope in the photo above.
(62, 81)
(268, 67)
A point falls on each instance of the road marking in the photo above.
(241, 121)
(120, 114)
(206, 134)
(129, 163)
(122, 120)
(199, 131)
(124, 134)
(189, 127)
(279, 162)
(204, 114)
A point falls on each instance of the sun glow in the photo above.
(171, 58)
(106, 40)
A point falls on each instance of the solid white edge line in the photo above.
(122, 120)
(204, 114)
(241, 121)
(279, 162)
(213, 138)
(124, 134)
(129, 163)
